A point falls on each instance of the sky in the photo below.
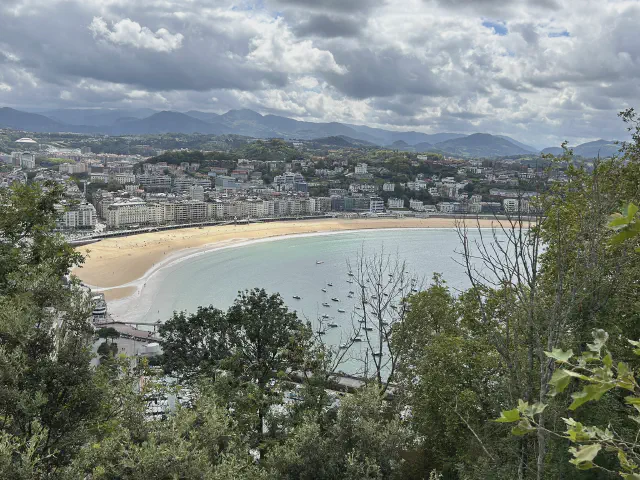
(541, 71)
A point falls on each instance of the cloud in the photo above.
(538, 70)
(129, 33)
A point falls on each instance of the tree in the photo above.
(248, 351)
(49, 395)
(367, 439)
(382, 283)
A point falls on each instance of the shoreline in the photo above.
(120, 266)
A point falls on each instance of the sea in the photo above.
(300, 266)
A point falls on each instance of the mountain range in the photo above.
(252, 124)
(602, 148)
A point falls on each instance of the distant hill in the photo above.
(249, 123)
(32, 122)
(341, 141)
(523, 146)
(481, 145)
(96, 117)
(602, 148)
(164, 122)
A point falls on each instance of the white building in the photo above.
(123, 178)
(82, 215)
(388, 187)
(395, 203)
(28, 160)
(127, 213)
(446, 207)
(416, 205)
(514, 205)
(376, 205)
(196, 192)
(361, 169)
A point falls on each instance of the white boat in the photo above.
(330, 284)
(349, 281)
(356, 339)
(325, 304)
(368, 329)
(325, 317)
(324, 290)
(332, 325)
(377, 354)
(350, 274)
(297, 297)
(341, 310)
(344, 345)
(352, 292)
(321, 332)
(319, 262)
(335, 299)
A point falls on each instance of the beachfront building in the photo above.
(446, 207)
(515, 205)
(82, 215)
(121, 214)
(376, 205)
(395, 203)
(416, 205)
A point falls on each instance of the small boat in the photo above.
(358, 307)
(394, 307)
(374, 297)
(385, 294)
(362, 320)
(349, 296)
(324, 290)
(377, 354)
(330, 284)
(391, 274)
(350, 274)
(297, 297)
(349, 281)
(334, 299)
(341, 310)
(368, 329)
(356, 339)
(319, 262)
(332, 325)
(385, 324)
(414, 290)
(321, 332)
(344, 345)
(325, 316)
(351, 292)
(325, 304)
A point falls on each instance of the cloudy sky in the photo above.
(538, 70)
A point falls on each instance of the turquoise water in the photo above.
(288, 266)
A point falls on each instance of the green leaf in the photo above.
(631, 211)
(618, 221)
(608, 360)
(585, 455)
(508, 416)
(559, 380)
(560, 355)
(588, 393)
(600, 338)
(522, 428)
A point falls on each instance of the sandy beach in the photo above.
(115, 265)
